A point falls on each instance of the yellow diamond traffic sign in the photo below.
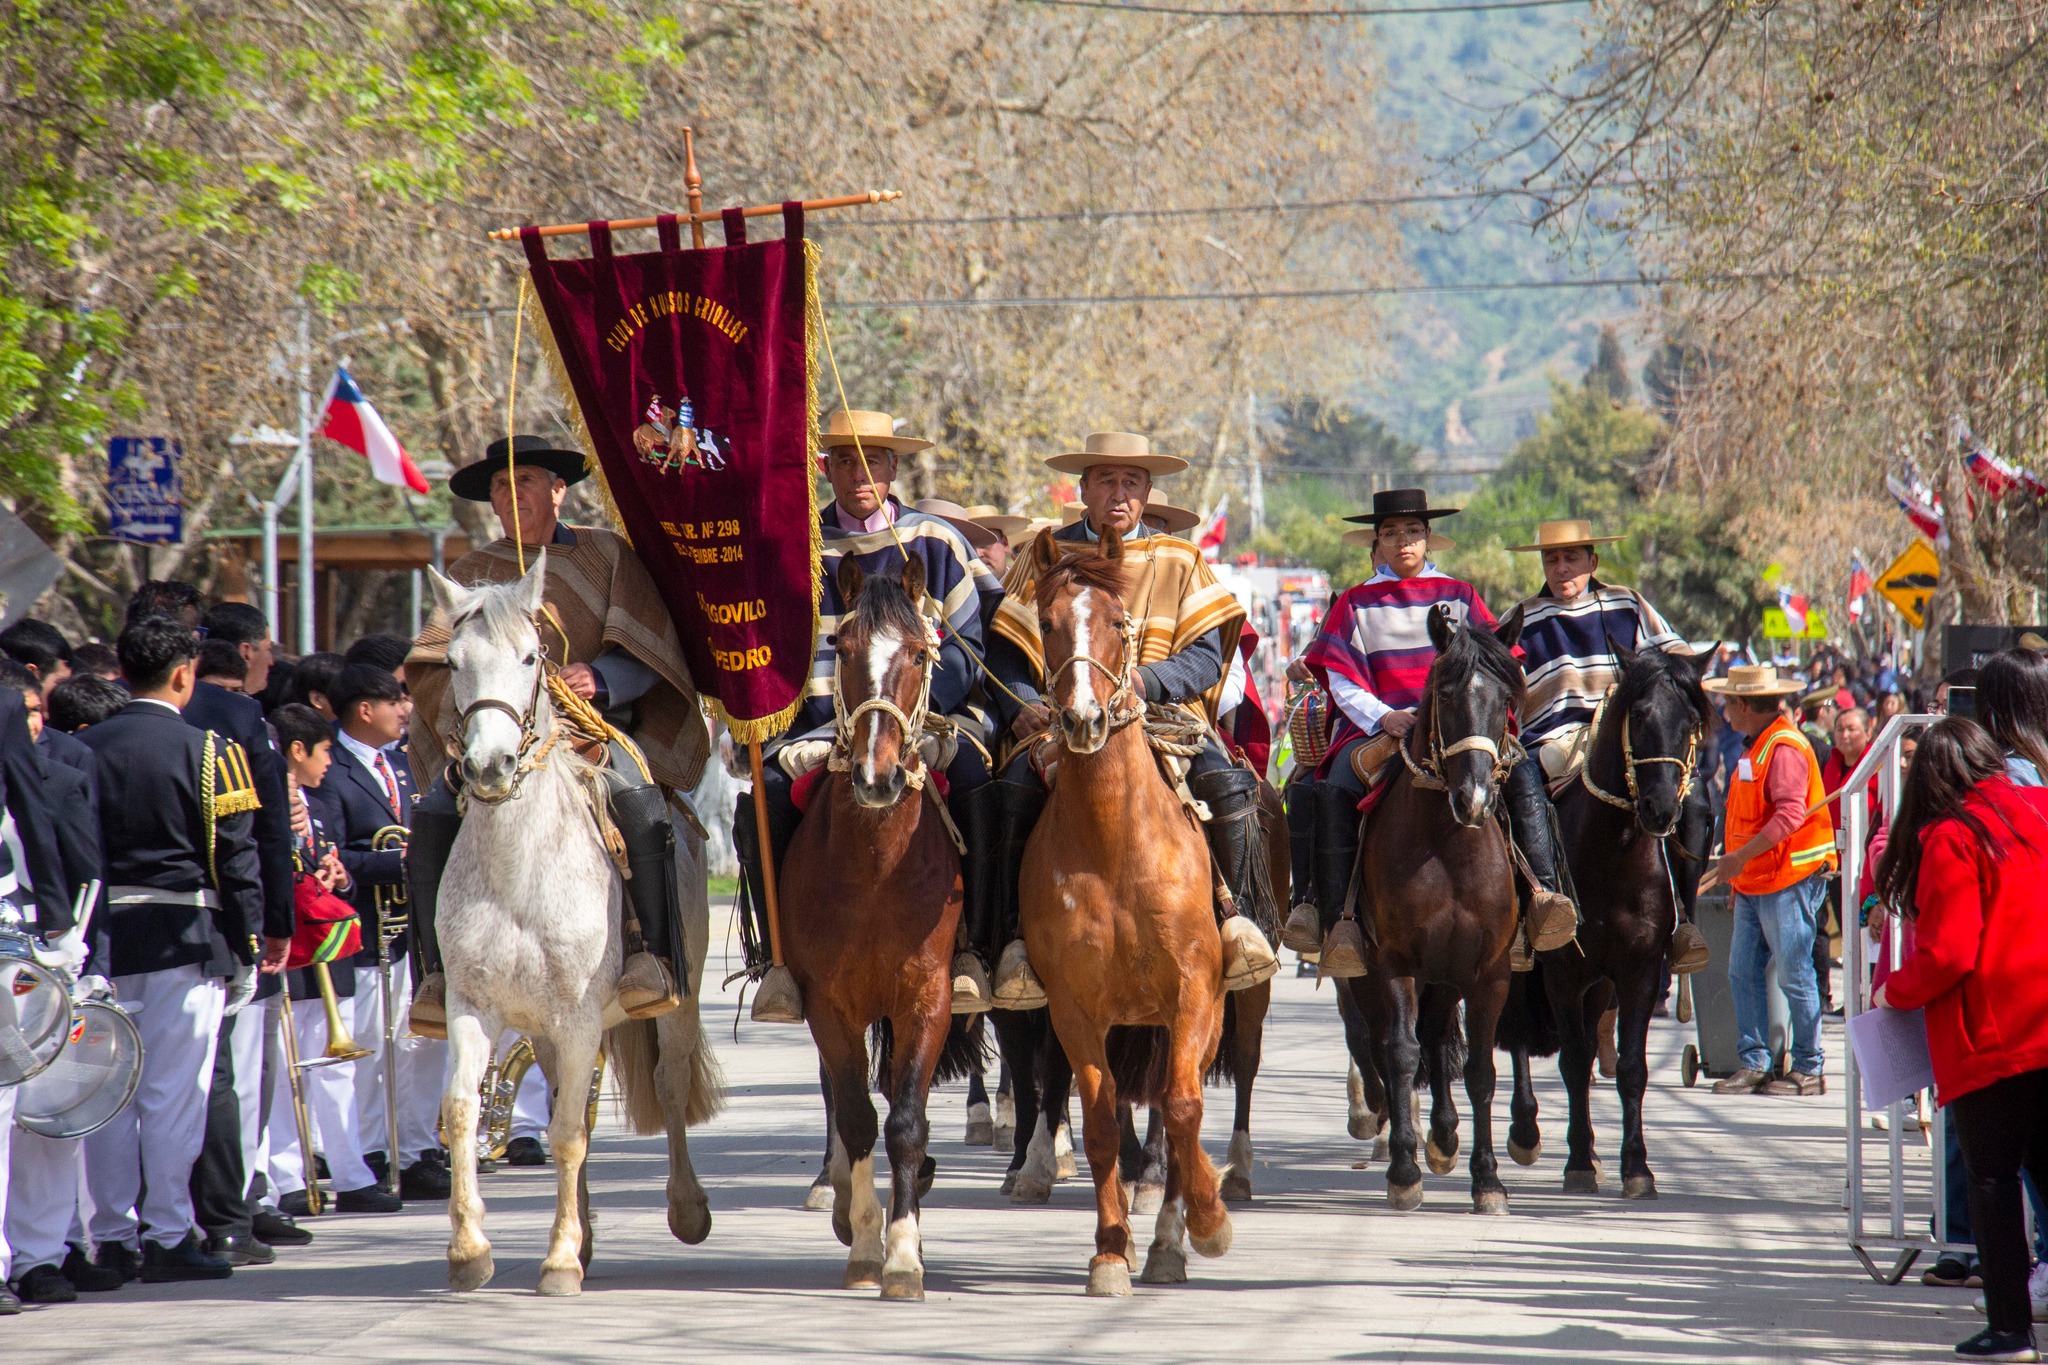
(1910, 582)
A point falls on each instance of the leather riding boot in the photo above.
(1336, 851)
(1017, 987)
(1553, 920)
(976, 814)
(652, 982)
(1237, 843)
(436, 820)
(777, 1000)
(1302, 933)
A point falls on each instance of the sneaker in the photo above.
(45, 1284)
(428, 1015)
(1017, 987)
(86, 1277)
(970, 985)
(1743, 1082)
(425, 1180)
(1247, 958)
(1950, 1272)
(239, 1250)
(275, 1229)
(185, 1261)
(1304, 929)
(525, 1151)
(1990, 1345)
(121, 1259)
(1797, 1083)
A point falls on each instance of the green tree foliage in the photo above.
(1333, 439)
(1610, 367)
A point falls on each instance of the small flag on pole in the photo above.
(1921, 507)
(1214, 529)
(347, 418)
(1793, 604)
(1860, 583)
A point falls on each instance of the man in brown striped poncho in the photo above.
(1189, 628)
(617, 649)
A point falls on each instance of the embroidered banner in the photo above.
(693, 373)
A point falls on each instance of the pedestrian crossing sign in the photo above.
(1910, 581)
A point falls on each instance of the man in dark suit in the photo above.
(183, 916)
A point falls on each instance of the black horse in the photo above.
(1638, 795)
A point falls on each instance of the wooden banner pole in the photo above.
(767, 851)
(693, 184)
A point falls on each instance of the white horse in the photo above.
(529, 927)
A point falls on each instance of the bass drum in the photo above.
(92, 1082)
(35, 1008)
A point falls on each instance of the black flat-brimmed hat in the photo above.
(1401, 502)
(473, 481)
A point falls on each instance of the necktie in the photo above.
(390, 782)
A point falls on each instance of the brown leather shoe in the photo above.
(1689, 952)
(1303, 931)
(1796, 1083)
(1743, 1082)
(1343, 951)
(428, 1016)
(1552, 921)
(646, 987)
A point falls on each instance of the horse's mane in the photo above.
(499, 607)
(883, 606)
(1085, 571)
(1474, 650)
(1654, 666)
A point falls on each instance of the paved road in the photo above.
(1741, 1259)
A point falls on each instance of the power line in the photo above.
(1260, 295)
(1478, 7)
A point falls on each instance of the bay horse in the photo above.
(1116, 911)
(870, 906)
(1619, 818)
(1436, 870)
(530, 931)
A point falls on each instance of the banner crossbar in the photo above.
(843, 201)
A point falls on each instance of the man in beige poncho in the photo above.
(617, 649)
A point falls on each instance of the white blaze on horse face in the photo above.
(882, 647)
(1084, 676)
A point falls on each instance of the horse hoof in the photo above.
(474, 1273)
(1379, 1148)
(842, 1225)
(1217, 1242)
(926, 1173)
(1067, 1168)
(1109, 1278)
(1030, 1191)
(1237, 1189)
(1147, 1198)
(863, 1275)
(903, 1284)
(819, 1197)
(691, 1223)
(1004, 1138)
(980, 1133)
(1440, 1161)
(1165, 1265)
(1491, 1202)
(561, 1284)
(1582, 1182)
(1525, 1156)
(1009, 1182)
(1404, 1198)
(1639, 1187)
(1359, 1126)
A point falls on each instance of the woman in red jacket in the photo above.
(1968, 862)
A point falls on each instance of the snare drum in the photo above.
(91, 1082)
(35, 1010)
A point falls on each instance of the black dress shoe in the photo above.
(239, 1250)
(9, 1305)
(320, 1168)
(275, 1229)
(294, 1205)
(45, 1284)
(121, 1259)
(368, 1199)
(525, 1151)
(380, 1166)
(185, 1261)
(425, 1180)
(88, 1278)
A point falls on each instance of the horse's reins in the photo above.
(532, 751)
(1687, 765)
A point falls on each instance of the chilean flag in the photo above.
(1921, 507)
(1793, 604)
(1210, 537)
(1860, 582)
(347, 418)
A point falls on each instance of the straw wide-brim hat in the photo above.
(1071, 512)
(1029, 531)
(993, 518)
(1116, 447)
(1562, 535)
(955, 516)
(1438, 541)
(1401, 502)
(472, 482)
(1753, 680)
(1173, 520)
(870, 430)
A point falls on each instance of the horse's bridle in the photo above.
(1428, 774)
(528, 722)
(1688, 765)
(1124, 704)
(845, 723)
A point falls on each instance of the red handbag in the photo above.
(325, 926)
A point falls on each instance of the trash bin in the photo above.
(1713, 1002)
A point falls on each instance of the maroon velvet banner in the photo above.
(692, 374)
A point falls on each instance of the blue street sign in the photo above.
(145, 496)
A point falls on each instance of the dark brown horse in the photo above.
(1116, 911)
(1435, 871)
(1636, 796)
(870, 906)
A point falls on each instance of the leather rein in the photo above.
(1428, 773)
(533, 749)
(1688, 765)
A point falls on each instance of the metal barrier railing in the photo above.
(1882, 761)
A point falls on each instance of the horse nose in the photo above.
(1085, 727)
(491, 774)
(881, 791)
(1468, 805)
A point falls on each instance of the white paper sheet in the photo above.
(1891, 1054)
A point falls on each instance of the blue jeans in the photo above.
(1777, 927)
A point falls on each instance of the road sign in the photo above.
(1910, 581)
(145, 496)
(1776, 627)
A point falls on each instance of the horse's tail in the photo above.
(1527, 1021)
(1140, 1059)
(635, 1051)
(1221, 1072)
(963, 1054)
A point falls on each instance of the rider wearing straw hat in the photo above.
(1190, 625)
(1572, 633)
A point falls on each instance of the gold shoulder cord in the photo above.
(206, 806)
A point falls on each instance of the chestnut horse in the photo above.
(1116, 911)
(1436, 871)
(870, 907)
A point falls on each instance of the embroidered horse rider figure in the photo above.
(1185, 626)
(607, 631)
(869, 527)
(1572, 633)
(1372, 658)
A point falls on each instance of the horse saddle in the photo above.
(1563, 754)
(1370, 760)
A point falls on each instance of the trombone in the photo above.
(391, 922)
(292, 1067)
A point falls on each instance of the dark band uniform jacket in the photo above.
(177, 816)
(67, 751)
(352, 805)
(21, 792)
(234, 716)
(74, 810)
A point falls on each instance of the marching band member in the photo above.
(1190, 624)
(184, 911)
(866, 524)
(616, 647)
